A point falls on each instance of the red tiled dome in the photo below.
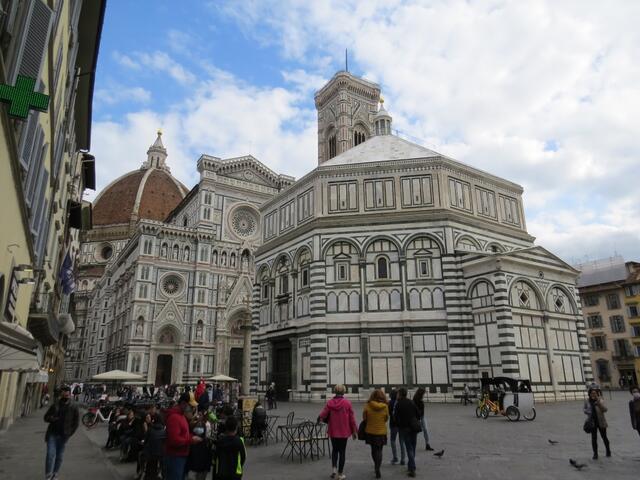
(160, 194)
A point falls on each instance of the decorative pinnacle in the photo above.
(381, 99)
(159, 131)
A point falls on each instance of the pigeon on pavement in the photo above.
(576, 465)
(553, 442)
(439, 454)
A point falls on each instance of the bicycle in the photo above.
(94, 416)
(512, 412)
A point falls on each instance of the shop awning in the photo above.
(13, 359)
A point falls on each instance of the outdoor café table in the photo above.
(289, 432)
(271, 432)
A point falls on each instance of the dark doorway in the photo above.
(163, 370)
(282, 369)
(235, 363)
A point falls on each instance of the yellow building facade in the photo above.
(610, 297)
(45, 167)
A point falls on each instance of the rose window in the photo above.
(172, 285)
(244, 222)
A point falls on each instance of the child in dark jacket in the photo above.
(230, 453)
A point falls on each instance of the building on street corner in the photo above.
(610, 293)
(45, 168)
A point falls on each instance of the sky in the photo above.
(543, 93)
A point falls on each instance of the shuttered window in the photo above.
(32, 44)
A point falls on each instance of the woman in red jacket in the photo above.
(179, 438)
(338, 413)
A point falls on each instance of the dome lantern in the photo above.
(382, 120)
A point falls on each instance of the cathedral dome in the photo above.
(150, 193)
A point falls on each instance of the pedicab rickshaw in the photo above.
(506, 396)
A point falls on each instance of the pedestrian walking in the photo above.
(634, 408)
(230, 453)
(393, 430)
(271, 396)
(408, 421)
(418, 399)
(63, 418)
(594, 408)
(338, 413)
(465, 395)
(376, 414)
(179, 439)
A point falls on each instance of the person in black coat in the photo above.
(153, 447)
(258, 422)
(63, 418)
(230, 453)
(407, 418)
(634, 408)
(393, 430)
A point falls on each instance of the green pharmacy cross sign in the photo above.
(23, 98)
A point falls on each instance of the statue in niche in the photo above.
(163, 250)
(186, 254)
(245, 263)
(199, 330)
(139, 328)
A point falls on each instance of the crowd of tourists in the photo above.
(194, 432)
(197, 431)
(400, 416)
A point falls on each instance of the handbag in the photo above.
(362, 434)
(414, 425)
(589, 425)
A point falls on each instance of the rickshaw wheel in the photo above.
(484, 412)
(513, 414)
(531, 415)
(478, 412)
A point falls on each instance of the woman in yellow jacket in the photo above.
(376, 414)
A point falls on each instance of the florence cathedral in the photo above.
(388, 264)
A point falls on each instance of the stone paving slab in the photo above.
(22, 453)
(493, 449)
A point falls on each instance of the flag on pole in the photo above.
(67, 280)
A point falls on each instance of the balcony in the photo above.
(42, 323)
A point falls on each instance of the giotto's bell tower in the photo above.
(346, 108)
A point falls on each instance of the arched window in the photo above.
(382, 268)
(333, 146)
(358, 137)
(187, 254)
(176, 252)
(214, 257)
(232, 260)
(185, 221)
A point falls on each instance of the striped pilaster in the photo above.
(317, 297)
(463, 357)
(583, 342)
(506, 333)
(319, 362)
(255, 323)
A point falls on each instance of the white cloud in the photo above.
(116, 93)
(495, 83)
(159, 61)
(222, 117)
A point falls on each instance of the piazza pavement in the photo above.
(493, 449)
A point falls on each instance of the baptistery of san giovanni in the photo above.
(388, 264)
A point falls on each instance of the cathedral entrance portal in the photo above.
(235, 363)
(163, 370)
(282, 369)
